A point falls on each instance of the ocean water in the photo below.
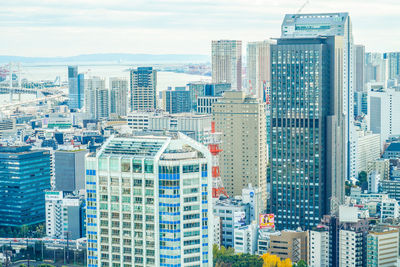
(50, 72)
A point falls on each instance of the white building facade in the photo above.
(384, 112)
(226, 61)
(149, 203)
(318, 248)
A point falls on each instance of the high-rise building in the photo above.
(368, 149)
(383, 247)
(118, 96)
(149, 202)
(97, 104)
(331, 24)
(258, 68)
(69, 170)
(384, 112)
(307, 167)
(375, 68)
(143, 95)
(226, 61)
(359, 63)
(205, 89)
(393, 64)
(176, 101)
(24, 176)
(244, 157)
(76, 88)
(360, 104)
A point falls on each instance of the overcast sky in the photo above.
(72, 27)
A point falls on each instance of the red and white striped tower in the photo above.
(213, 146)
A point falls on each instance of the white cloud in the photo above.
(70, 27)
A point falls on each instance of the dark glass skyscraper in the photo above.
(76, 88)
(24, 177)
(307, 132)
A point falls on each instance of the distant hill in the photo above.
(110, 58)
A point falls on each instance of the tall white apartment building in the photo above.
(118, 96)
(226, 61)
(97, 104)
(350, 248)
(318, 249)
(258, 68)
(384, 112)
(368, 148)
(149, 202)
(143, 89)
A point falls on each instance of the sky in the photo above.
(72, 27)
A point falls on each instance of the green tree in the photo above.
(301, 263)
(363, 180)
(347, 188)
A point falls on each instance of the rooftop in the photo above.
(394, 147)
(135, 146)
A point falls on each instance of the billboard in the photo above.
(239, 219)
(267, 221)
(53, 195)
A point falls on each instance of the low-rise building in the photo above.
(264, 239)
(195, 126)
(392, 151)
(290, 244)
(245, 239)
(392, 188)
(383, 247)
(382, 166)
(233, 213)
(389, 209)
(65, 215)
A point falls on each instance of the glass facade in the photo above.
(24, 178)
(301, 101)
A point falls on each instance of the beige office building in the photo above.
(242, 120)
(383, 247)
(290, 244)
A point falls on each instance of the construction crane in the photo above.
(302, 7)
(213, 146)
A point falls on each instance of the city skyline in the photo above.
(183, 27)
